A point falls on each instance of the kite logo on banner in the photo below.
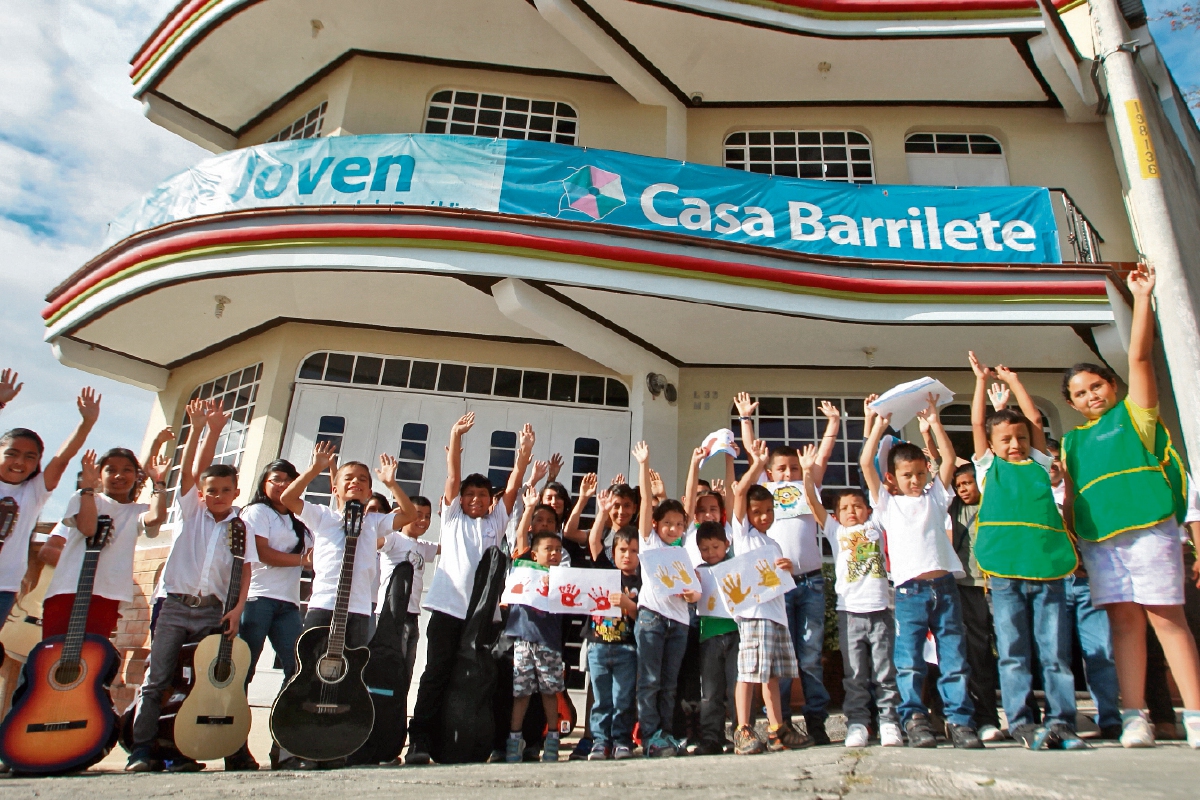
(594, 192)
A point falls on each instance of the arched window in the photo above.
(955, 159)
(842, 156)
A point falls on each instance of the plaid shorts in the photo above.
(537, 669)
(766, 651)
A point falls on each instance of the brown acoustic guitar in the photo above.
(62, 719)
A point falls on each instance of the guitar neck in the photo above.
(77, 626)
(341, 608)
(225, 651)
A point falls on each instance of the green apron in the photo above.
(1020, 533)
(1119, 485)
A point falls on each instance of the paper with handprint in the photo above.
(904, 401)
(667, 572)
(718, 442)
(712, 600)
(584, 591)
(750, 580)
(790, 499)
(527, 584)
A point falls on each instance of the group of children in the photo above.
(918, 556)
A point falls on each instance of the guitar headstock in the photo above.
(9, 512)
(237, 537)
(103, 533)
(353, 517)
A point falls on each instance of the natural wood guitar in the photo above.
(214, 720)
(62, 717)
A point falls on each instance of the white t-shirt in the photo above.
(463, 540)
(984, 464)
(916, 532)
(30, 497)
(277, 583)
(329, 544)
(794, 532)
(200, 561)
(746, 539)
(396, 549)
(674, 607)
(862, 585)
(1193, 508)
(114, 569)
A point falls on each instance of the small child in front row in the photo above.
(913, 511)
(537, 659)
(866, 625)
(765, 651)
(718, 651)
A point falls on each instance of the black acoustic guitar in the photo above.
(325, 711)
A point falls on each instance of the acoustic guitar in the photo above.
(214, 720)
(9, 511)
(325, 711)
(62, 717)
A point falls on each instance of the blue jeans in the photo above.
(806, 622)
(7, 600)
(923, 607)
(613, 672)
(1095, 640)
(279, 620)
(661, 643)
(1015, 605)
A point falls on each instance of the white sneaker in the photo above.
(990, 733)
(1135, 729)
(889, 735)
(857, 736)
(1191, 724)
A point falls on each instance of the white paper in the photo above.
(527, 586)
(904, 401)
(667, 572)
(790, 500)
(752, 579)
(719, 441)
(712, 601)
(584, 591)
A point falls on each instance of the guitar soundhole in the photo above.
(220, 673)
(67, 676)
(331, 670)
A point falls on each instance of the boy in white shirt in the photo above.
(866, 626)
(913, 511)
(407, 545)
(765, 652)
(470, 525)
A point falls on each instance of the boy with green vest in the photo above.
(1126, 495)
(1024, 549)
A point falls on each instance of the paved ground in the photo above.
(1007, 771)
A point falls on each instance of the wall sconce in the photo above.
(222, 301)
(656, 383)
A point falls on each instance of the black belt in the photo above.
(807, 575)
(195, 600)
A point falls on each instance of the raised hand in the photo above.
(324, 455)
(930, 412)
(698, 455)
(156, 469)
(685, 576)
(767, 576)
(569, 594)
(9, 388)
(658, 489)
(1141, 280)
(745, 406)
(732, 586)
(868, 413)
(556, 465)
(718, 486)
(641, 452)
(88, 404)
(217, 416)
(759, 451)
(980, 369)
(664, 576)
(602, 601)
(587, 485)
(89, 477)
(197, 411)
(387, 469)
(531, 496)
(525, 439)
(1005, 374)
(464, 424)
(999, 395)
(830, 411)
(540, 469)
(808, 457)
(618, 479)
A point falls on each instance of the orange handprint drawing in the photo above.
(569, 594)
(712, 602)
(665, 577)
(683, 572)
(732, 585)
(767, 576)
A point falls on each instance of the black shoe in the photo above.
(184, 765)
(418, 754)
(815, 727)
(289, 763)
(241, 761)
(919, 732)
(581, 751)
(963, 737)
(708, 749)
(1033, 737)
(1110, 733)
(308, 765)
(1065, 738)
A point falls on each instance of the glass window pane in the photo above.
(504, 439)
(502, 457)
(618, 394)
(508, 382)
(770, 406)
(395, 372)
(591, 390)
(452, 378)
(339, 367)
(479, 380)
(562, 388)
(415, 431)
(367, 369)
(535, 385)
(770, 428)
(587, 447)
(424, 375)
(409, 471)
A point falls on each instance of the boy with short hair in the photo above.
(912, 509)
(866, 625)
(718, 652)
(765, 652)
(612, 645)
(537, 658)
(196, 576)
(471, 523)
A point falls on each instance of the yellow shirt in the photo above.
(1144, 422)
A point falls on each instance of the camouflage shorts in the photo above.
(537, 669)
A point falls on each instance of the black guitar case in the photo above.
(385, 673)
(467, 727)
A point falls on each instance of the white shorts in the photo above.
(1143, 566)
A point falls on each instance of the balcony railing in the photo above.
(1077, 231)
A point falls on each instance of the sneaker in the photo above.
(514, 748)
(815, 727)
(583, 751)
(308, 765)
(920, 734)
(746, 742)
(857, 735)
(496, 757)
(1065, 738)
(550, 749)
(241, 761)
(786, 737)
(1191, 726)
(140, 761)
(1032, 737)
(185, 765)
(659, 746)
(963, 737)
(598, 753)
(418, 755)
(622, 752)
(890, 735)
(990, 733)
(1110, 733)
(1135, 729)
(532, 755)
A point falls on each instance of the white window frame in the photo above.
(510, 121)
(779, 147)
(308, 126)
(981, 149)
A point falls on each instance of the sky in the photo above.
(75, 149)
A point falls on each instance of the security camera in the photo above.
(697, 98)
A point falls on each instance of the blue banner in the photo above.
(867, 221)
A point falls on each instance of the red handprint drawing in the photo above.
(544, 587)
(601, 600)
(570, 594)
(517, 589)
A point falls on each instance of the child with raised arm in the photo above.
(866, 625)
(912, 509)
(470, 525)
(662, 624)
(1126, 495)
(718, 650)
(1023, 547)
(765, 653)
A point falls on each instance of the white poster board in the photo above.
(712, 601)
(667, 572)
(751, 579)
(904, 401)
(527, 585)
(584, 591)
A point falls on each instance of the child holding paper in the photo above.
(765, 652)
(718, 650)
(866, 626)
(537, 659)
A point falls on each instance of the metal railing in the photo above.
(1078, 231)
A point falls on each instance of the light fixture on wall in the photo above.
(317, 27)
(823, 67)
(222, 301)
(656, 383)
(869, 352)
